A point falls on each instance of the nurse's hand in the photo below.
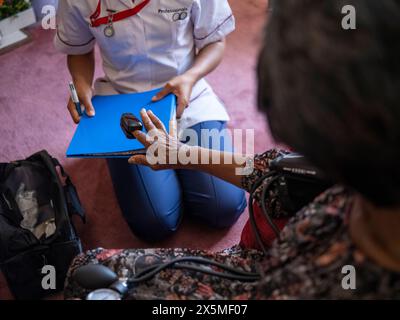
(158, 143)
(85, 95)
(181, 86)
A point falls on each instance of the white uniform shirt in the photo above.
(150, 48)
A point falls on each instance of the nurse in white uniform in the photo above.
(148, 44)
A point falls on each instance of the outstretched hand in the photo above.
(161, 147)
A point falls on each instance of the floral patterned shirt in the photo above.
(307, 263)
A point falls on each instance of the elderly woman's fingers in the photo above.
(157, 122)
(148, 124)
(142, 138)
(139, 159)
(142, 161)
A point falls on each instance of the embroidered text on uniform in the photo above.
(172, 10)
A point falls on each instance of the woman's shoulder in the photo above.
(316, 257)
(335, 202)
(321, 220)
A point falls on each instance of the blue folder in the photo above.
(101, 136)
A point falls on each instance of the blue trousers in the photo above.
(153, 202)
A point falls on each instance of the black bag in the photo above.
(36, 228)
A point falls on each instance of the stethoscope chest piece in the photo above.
(103, 294)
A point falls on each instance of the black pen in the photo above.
(75, 99)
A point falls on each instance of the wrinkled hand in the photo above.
(181, 86)
(161, 147)
(85, 95)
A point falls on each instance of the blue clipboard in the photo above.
(102, 137)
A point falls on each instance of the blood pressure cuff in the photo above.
(286, 198)
(248, 239)
(37, 201)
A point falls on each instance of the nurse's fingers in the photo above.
(72, 110)
(183, 102)
(148, 124)
(157, 122)
(165, 91)
(180, 109)
(87, 102)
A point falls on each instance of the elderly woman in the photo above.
(332, 95)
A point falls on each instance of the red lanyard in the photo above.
(96, 21)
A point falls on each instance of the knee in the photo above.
(153, 225)
(224, 213)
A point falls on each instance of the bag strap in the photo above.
(5, 170)
(72, 198)
(3, 167)
(8, 207)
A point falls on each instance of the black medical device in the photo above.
(129, 124)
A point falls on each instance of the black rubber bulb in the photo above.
(129, 124)
(94, 276)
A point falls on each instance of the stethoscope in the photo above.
(105, 284)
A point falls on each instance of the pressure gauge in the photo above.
(103, 294)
